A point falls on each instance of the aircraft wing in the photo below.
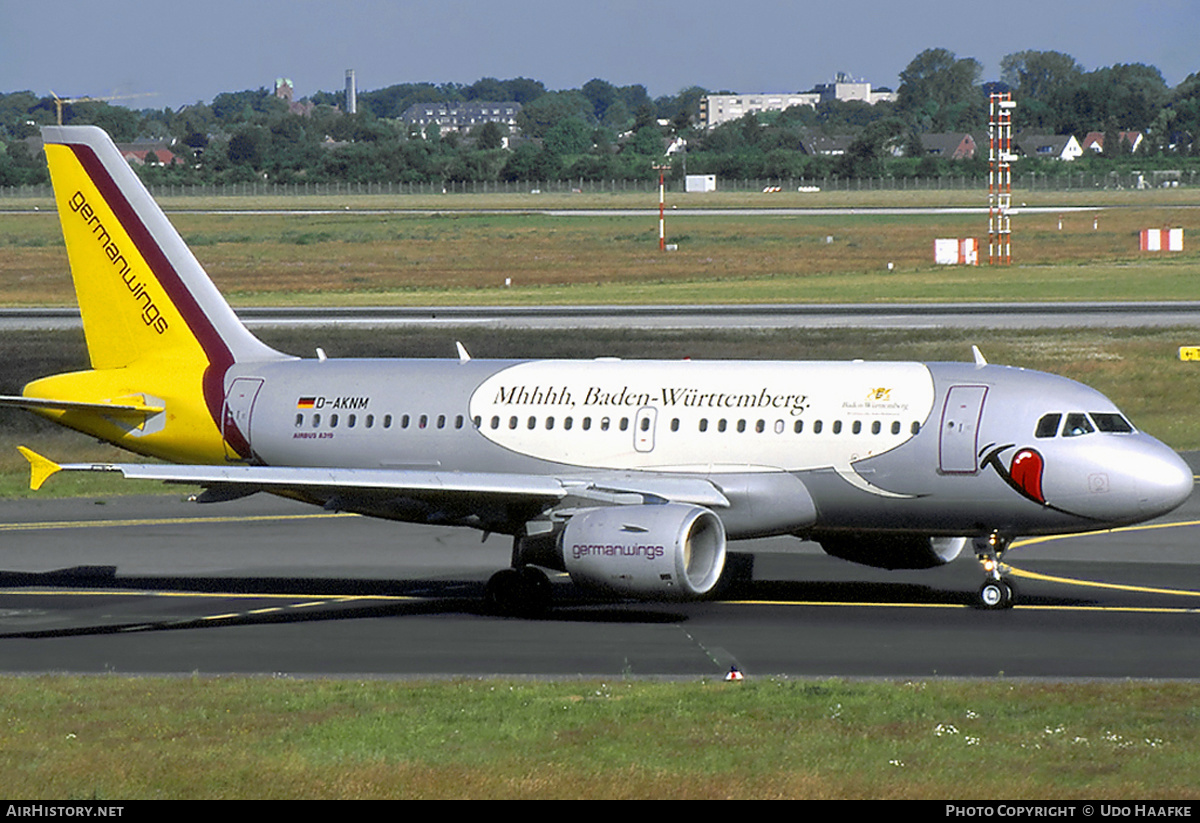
(225, 482)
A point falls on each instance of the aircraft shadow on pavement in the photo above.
(416, 597)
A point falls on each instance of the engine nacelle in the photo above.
(895, 551)
(671, 551)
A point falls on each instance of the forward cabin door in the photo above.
(958, 447)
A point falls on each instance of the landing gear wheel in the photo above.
(996, 594)
(520, 592)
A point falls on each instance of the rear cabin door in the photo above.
(235, 419)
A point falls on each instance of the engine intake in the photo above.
(671, 551)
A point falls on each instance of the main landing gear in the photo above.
(523, 591)
(997, 591)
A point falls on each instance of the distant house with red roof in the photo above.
(1094, 141)
(152, 153)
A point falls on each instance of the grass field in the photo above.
(467, 258)
(110, 738)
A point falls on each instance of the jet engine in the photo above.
(672, 551)
(895, 551)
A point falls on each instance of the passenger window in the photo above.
(837, 426)
(1076, 425)
(799, 427)
(856, 428)
(1048, 425)
(1111, 422)
(703, 424)
(876, 426)
(817, 426)
(299, 420)
(895, 427)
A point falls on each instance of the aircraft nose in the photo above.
(1164, 483)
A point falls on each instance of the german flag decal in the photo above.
(306, 402)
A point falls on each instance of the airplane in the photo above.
(629, 475)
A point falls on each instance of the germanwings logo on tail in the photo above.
(151, 315)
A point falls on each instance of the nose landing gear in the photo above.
(997, 591)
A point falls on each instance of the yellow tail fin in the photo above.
(155, 324)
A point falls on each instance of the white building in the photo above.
(716, 109)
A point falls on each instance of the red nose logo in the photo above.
(1026, 472)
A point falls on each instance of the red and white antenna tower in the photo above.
(1000, 157)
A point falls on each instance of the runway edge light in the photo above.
(1189, 353)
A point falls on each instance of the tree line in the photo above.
(602, 131)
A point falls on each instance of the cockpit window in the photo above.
(1111, 422)
(1048, 425)
(1077, 424)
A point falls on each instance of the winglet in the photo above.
(40, 468)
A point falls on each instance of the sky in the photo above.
(181, 53)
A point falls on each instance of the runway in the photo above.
(728, 317)
(157, 585)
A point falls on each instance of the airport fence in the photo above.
(1032, 181)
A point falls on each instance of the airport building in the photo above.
(462, 116)
(716, 109)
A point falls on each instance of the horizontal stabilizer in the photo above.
(135, 411)
(40, 468)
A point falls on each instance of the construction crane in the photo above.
(59, 102)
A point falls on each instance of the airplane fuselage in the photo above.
(874, 445)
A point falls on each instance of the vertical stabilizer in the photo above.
(158, 331)
(141, 291)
